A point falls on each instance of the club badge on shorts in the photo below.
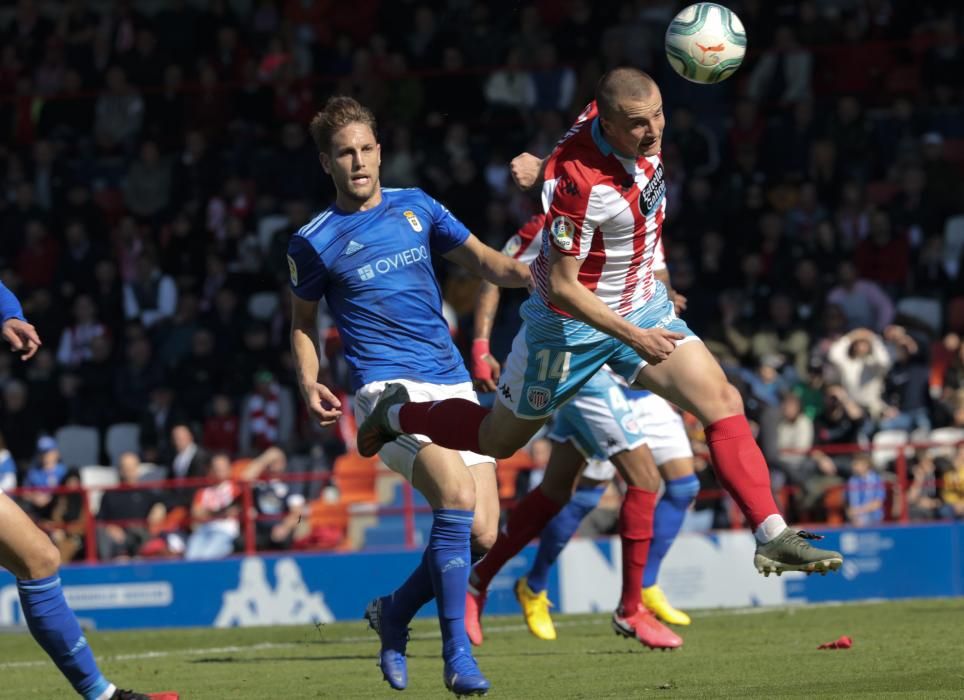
(563, 232)
(412, 219)
(538, 397)
(293, 271)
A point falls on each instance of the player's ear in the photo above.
(378, 151)
(325, 161)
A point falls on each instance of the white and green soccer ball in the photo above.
(705, 43)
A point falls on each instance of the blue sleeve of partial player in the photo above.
(306, 270)
(448, 232)
(9, 305)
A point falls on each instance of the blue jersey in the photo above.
(374, 268)
(9, 305)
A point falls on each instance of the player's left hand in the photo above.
(525, 169)
(22, 337)
(485, 368)
(322, 403)
(679, 303)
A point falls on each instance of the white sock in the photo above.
(770, 528)
(394, 421)
(109, 693)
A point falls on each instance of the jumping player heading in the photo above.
(598, 303)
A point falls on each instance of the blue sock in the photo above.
(555, 536)
(667, 521)
(53, 625)
(449, 562)
(409, 598)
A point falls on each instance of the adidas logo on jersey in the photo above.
(352, 248)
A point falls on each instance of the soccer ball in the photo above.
(705, 43)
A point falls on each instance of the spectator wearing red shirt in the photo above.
(221, 428)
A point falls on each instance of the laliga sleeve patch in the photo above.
(563, 232)
(293, 271)
(512, 246)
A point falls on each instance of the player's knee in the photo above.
(731, 403)
(484, 539)
(460, 496)
(42, 561)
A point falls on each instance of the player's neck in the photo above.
(347, 204)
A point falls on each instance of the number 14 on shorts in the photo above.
(553, 365)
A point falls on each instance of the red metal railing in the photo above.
(897, 488)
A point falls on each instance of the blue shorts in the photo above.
(599, 421)
(553, 355)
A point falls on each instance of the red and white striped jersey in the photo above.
(526, 243)
(605, 210)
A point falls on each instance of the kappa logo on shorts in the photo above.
(538, 397)
(563, 230)
(413, 220)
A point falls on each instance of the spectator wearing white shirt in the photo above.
(75, 341)
(863, 361)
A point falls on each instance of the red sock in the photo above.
(740, 468)
(636, 532)
(525, 521)
(452, 423)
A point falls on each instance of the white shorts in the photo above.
(663, 431)
(399, 455)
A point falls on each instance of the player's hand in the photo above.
(22, 337)
(485, 368)
(525, 169)
(679, 303)
(323, 405)
(656, 344)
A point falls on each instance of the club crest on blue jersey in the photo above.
(538, 397)
(413, 220)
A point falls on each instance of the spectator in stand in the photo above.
(952, 490)
(510, 89)
(119, 110)
(189, 460)
(906, 388)
(75, 340)
(152, 296)
(65, 519)
(221, 428)
(46, 472)
(863, 302)
(883, 256)
(128, 515)
(783, 73)
(863, 362)
(157, 420)
(794, 440)
(135, 379)
(923, 501)
(263, 412)
(697, 144)
(280, 506)
(839, 423)
(8, 468)
(148, 185)
(215, 513)
(865, 493)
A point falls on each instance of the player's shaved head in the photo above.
(620, 85)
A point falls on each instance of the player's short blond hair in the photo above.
(339, 111)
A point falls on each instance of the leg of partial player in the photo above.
(442, 477)
(631, 619)
(681, 488)
(526, 520)
(692, 379)
(27, 552)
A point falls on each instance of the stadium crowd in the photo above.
(154, 165)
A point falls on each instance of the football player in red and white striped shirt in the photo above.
(597, 303)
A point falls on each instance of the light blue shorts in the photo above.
(599, 421)
(553, 355)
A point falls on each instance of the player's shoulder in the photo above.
(318, 232)
(406, 195)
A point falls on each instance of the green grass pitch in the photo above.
(901, 649)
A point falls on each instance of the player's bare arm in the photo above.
(566, 292)
(22, 337)
(490, 264)
(321, 402)
(527, 171)
(485, 368)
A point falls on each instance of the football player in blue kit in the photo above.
(27, 552)
(369, 256)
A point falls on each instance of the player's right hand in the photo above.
(525, 169)
(323, 405)
(655, 344)
(22, 337)
(485, 368)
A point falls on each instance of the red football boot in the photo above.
(474, 602)
(646, 629)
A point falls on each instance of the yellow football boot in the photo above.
(535, 609)
(655, 601)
